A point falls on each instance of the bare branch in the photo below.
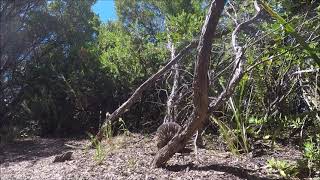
(200, 87)
(138, 92)
(239, 63)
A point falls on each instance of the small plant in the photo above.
(108, 130)
(131, 162)
(236, 133)
(241, 129)
(236, 137)
(100, 153)
(284, 168)
(228, 135)
(123, 127)
(312, 154)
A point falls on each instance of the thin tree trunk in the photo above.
(171, 102)
(200, 87)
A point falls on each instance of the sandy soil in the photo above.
(129, 157)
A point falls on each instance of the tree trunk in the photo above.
(200, 86)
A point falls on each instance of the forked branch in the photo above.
(200, 87)
(239, 62)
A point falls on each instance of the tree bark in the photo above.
(200, 86)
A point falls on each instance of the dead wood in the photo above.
(138, 92)
(200, 86)
(200, 83)
(239, 63)
(171, 113)
(63, 157)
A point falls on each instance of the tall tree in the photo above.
(52, 77)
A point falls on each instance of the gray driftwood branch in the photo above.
(138, 92)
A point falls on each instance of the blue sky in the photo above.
(105, 9)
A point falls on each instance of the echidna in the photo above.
(166, 132)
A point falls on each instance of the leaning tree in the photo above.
(202, 106)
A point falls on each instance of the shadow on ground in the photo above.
(236, 171)
(33, 149)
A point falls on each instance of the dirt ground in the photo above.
(129, 157)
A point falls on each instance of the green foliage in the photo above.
(108, 131)
(284, 168)
(100, 153)
(240, 128)
(61, 70)
(183, 26)
(289, 28)
(308, 166)
(229, 137)
(237, 132)
(123, 127)
(101, 149)
(57, 84)
(312, 153)
(125, 56)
